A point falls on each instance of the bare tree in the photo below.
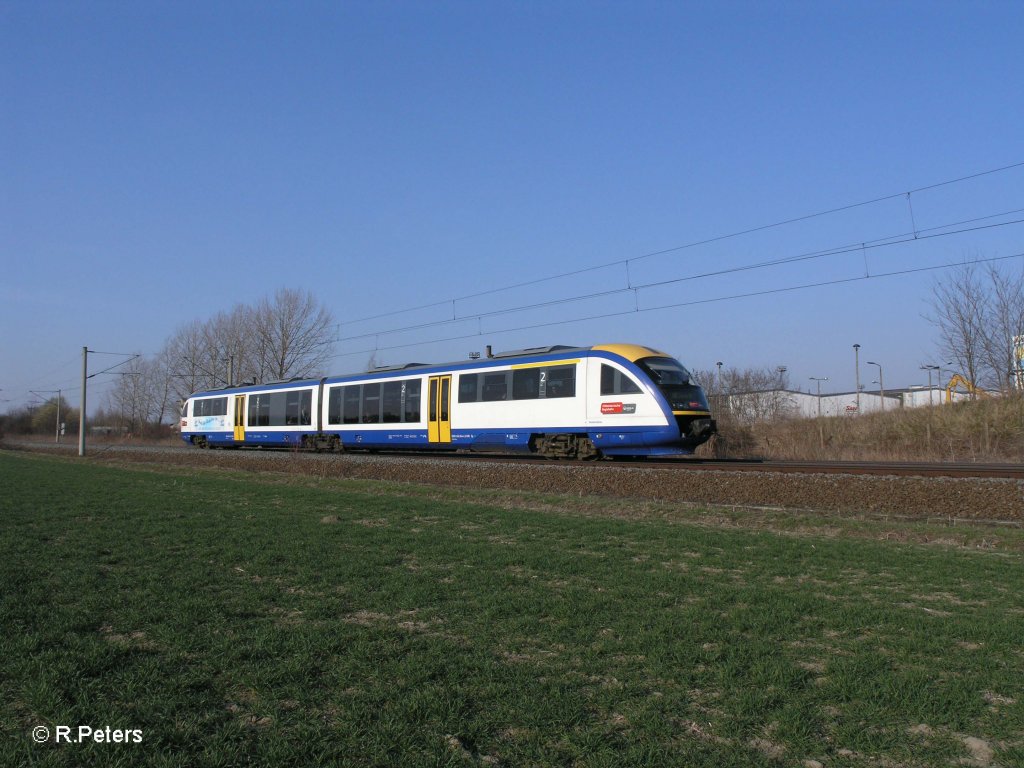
(958, 313)
(294, 334)
(140, 396)
(747, 395)
(977, 313)
(1004, 322)
(281, 337)
(191, 361)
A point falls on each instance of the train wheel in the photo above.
(568, 446)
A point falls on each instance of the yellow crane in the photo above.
(959, 380)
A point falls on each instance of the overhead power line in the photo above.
(697, 243)
(884, 242)
(676, 305)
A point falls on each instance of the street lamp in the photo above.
(856, 363)
(819, 380)
(931, 368)
(881, 382)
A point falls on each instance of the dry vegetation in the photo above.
(987, 430)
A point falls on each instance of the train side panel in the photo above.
(273, 416)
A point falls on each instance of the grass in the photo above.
(986, 430)
(238, 619)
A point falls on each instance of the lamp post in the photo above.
(821, 430)
(856, 364)
(881, 382)
(819, 380)
(931, 408)
(931, 368)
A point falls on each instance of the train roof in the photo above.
(631, 352)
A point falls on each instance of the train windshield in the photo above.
(675, 383)
(665, 371)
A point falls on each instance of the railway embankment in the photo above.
(945, 499)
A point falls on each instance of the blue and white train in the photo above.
(562, 402)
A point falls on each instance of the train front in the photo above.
(687, 400)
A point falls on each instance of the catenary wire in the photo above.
(719, 238)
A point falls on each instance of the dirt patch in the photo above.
(980, 750)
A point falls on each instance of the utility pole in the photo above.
(856, 362)
(81, 416)
(57, 392)
(720, 393)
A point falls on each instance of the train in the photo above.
(612, 400)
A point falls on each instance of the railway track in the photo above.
(687, 464)
(945, 492)
(690, 464)
(899, 469)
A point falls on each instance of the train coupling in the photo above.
(699, 431)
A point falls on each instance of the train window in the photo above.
(615, 382)
(468, 387)
(412, 400)
(350, 411)
(279, 409)
(298, 407)
(391, 402)
(371, 404)
(291, 408)
(526, 384)
(559, 381)
(210, 406)
(495, 387)
(259, 410)
(334, 405)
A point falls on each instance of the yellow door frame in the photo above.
(439, 425)
(240, 418)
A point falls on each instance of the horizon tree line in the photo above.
(978, 311)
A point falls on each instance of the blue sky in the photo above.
(163, 161)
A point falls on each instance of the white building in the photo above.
(787, 402)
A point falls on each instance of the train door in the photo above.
(439, 429)
(240, 418)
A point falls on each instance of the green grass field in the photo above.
(240, 619)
